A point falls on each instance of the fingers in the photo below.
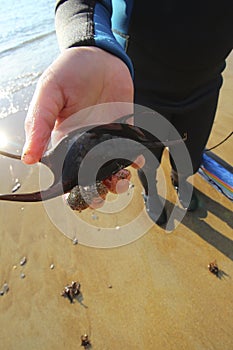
(43, 111)
(79, 78)
(139, 162)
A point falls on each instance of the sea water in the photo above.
(27, 46)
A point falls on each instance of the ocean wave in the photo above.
(23, 81)
(25, 43)
(17, 95)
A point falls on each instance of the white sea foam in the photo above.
(27, 46)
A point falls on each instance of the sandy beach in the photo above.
(154, 293)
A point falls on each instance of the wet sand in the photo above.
(155, 293)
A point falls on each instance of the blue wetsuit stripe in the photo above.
(122, 10)
(103, 35)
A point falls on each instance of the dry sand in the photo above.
(162, 295)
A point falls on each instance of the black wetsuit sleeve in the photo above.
(89, 23)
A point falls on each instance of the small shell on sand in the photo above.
(16, 186)
(23, 261)
(75, 241)
(5, 288)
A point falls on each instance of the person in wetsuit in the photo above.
(168, 56)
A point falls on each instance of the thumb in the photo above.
(42, 114)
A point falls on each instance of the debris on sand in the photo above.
(71, 291)
(85, 342)
(213, 268)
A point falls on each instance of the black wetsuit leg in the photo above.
(197, 122)
(176, 83)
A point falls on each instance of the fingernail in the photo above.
(28, 158)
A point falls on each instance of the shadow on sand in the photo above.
(194, 221)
